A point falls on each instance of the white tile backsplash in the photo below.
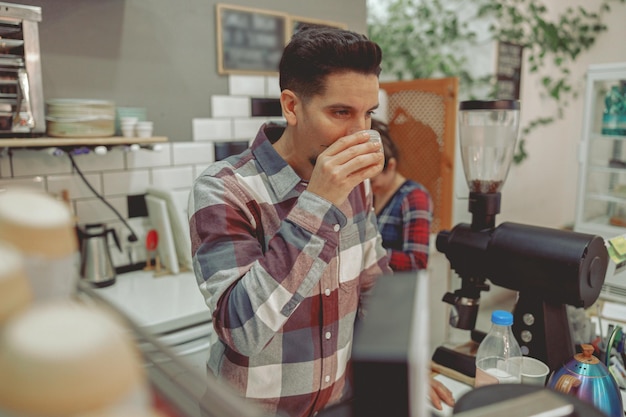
(247, 128)
(111, 161)
(246, 85)
(28, 163)
(272, 86)
(36, 182)
(173, 177)
(198, 169)
(189, 153)
(228, 106)
(75, 186)
(206, 129)
(125, 182)
(95, 211)
(5, 165)
(144, 158)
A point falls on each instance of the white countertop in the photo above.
(158, 304)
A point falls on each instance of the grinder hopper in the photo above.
(550, 268)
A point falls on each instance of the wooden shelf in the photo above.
(60, 142)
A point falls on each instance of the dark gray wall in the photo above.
(158, 54)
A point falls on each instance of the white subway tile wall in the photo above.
(74, 185)
(173, 177)
(5, 165)
(248, 128)
(95, 211)
(230, 106)
(90, 162)
(37, 182)
(26, 163)
(212, 129)
(272, 87)
(125, 182)
(187, 153)
(247, 85)
(145, 158)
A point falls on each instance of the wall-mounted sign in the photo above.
(508, 70)
(249, 40)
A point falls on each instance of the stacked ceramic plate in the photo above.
(80, 118)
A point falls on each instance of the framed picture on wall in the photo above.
(297, 22)
(249, 41)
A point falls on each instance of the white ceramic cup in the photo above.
(534, 372)
(128, 131)
(374, 136)
(144, 129)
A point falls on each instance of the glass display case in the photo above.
(601, 202)
(601, 207)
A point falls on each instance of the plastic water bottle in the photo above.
(499, 357)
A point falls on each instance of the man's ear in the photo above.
(288, 102)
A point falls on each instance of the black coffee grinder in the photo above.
(549, 268)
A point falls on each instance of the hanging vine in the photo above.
(429, 39)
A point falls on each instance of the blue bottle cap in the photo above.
(502, 318)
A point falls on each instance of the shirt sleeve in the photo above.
(252, 285)
(416, 210)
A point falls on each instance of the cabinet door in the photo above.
(602, 198)
(422, 123)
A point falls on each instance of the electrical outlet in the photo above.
(137, 206)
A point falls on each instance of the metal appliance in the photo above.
(549, 268)
(96, 265)
(21, 90)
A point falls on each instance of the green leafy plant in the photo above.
(429, 39)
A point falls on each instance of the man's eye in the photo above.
(342, 112)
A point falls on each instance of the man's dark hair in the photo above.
(316, 52)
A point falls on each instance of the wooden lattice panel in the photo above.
(422, 122)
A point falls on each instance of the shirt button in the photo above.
(327, 378)
(327, 292)
(336, 228)
(328, 335)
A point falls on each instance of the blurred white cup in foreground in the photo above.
(42, 229)
(68, 359)
(15, 292)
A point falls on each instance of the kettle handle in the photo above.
(115, 238)
(566, 382)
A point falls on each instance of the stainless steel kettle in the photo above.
(590, 380)
(96, 265)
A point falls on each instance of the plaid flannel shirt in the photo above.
(283, 272)
(404, 225)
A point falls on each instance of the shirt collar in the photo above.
(280, 175)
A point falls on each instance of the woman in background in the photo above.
(403, 210)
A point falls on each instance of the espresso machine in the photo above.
(549, 268)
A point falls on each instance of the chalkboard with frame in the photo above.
(249, 41)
